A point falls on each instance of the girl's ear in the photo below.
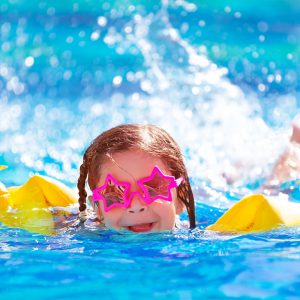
(179, 207)
(96, 207)
(91, 202)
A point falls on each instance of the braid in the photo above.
(185, 194)
(81, 187)
(85, 167)
(190, 206)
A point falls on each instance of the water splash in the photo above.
(218, 125)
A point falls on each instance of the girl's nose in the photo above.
(137, 205)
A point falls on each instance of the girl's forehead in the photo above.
(130, 165)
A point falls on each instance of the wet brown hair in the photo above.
(150, 139)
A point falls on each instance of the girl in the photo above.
(139, 183)
(138, 178)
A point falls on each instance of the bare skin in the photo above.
(287, 166)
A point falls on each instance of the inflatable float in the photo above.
(257, 213)
(30, 206)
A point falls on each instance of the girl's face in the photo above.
(138, 217)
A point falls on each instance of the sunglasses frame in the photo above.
(98, 196)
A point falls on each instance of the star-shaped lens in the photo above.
(112, 193)
(157, 186)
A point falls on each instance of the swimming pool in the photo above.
(226, 71)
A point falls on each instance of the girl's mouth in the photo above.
(140, 227)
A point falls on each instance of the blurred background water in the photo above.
(221, 76)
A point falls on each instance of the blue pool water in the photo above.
(221, 76)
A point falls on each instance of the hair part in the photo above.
(150, 139)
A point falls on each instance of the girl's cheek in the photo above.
(165, 211)
(111, 219)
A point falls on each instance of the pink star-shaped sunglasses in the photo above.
(114, 193)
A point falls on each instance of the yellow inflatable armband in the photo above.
(256, 213)
(29, 206)
(3, 191)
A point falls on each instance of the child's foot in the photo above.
(296, 132)
(288, 165)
